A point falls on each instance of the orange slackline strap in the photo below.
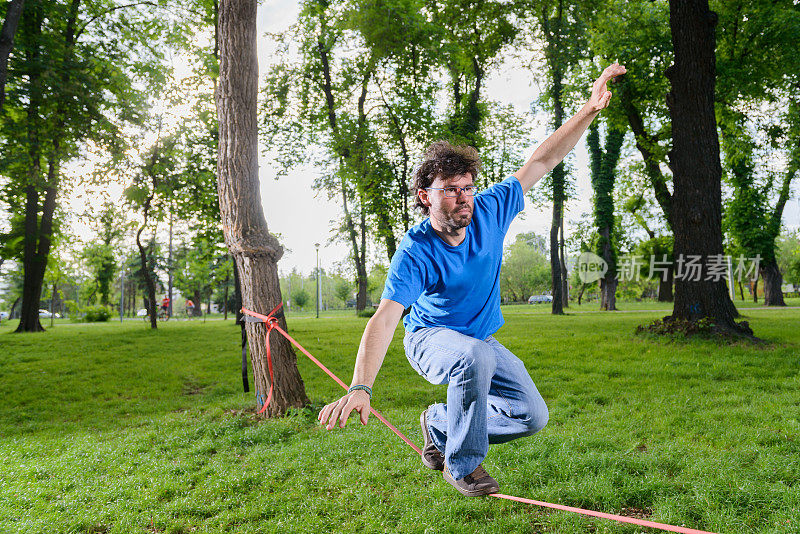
(272, 323)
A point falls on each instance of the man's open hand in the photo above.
(341, 409)
(600, 93)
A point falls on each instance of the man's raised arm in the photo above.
(556, 147)
(374, 344)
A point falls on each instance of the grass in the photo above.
(115, 428)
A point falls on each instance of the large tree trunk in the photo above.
(256, 250)
(773, 280)
(697, 205)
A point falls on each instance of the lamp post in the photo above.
(317, 299)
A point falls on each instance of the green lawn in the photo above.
(114, 428)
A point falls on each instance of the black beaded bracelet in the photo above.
(361, 387)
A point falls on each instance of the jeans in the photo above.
(491, 398)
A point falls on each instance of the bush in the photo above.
(96, 314)
(72, 310)
(366, 313)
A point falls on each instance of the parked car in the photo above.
(44, 314)
(3, 316)
(141, 313)
(540, 299)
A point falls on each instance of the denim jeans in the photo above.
(491, 398)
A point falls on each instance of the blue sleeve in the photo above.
(505, 200)
(405, 279)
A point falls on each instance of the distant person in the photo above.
(165, 304)
(447, 271)
(189, 307)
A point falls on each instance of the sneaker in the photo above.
(474, 484)
(431, 456)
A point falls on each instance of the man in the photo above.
(447, 270)
(165, 304)
(189, 307)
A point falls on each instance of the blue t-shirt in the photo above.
(456, 286)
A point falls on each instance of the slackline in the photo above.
(271, 323)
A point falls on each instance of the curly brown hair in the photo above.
(443, 159)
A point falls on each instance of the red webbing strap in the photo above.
(272, 323)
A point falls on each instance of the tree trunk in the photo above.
(580, 293)
(563, 260)
(7, 43)
(225, 298)
(150, 299)
(256, 250)
(608, 293)
(361, 266)
(198, 304)
(608, 284)
(697, 203)
(773, 280)
(665, 286)
(741, 290)
(754, 285)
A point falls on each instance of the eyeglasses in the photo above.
(453, 191)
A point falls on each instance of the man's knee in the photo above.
(535, 415)
(478, 360)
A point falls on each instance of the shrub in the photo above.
(72, 309)
(366, 313)
(96, 314)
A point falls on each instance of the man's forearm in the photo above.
(372, 350)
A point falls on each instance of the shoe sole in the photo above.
(423, 421)
(469, 493)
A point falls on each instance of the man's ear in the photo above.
(423, 197)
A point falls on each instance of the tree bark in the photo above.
(697, 203)
(246, 234)
(665, 287)
(150, 284)
(754, 285)
(7, 43)
(773, 280)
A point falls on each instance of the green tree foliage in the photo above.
(77, 74)
(100, 256)
(365, 94)
(300, 298)
(789, 256)
(525, 270)
(603, 174)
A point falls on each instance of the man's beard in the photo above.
(457, 220)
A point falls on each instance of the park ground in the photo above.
(113, 428)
